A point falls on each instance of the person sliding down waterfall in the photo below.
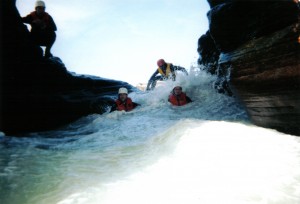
(42, 27)
(123, 102)
(166, 71)
(178, 97)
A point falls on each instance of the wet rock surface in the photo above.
(259, 58)
(40, 94)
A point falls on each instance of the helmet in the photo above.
(177, 85)
(123, 91)
(40, 3)
(160, 62)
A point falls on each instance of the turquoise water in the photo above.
(204, 152)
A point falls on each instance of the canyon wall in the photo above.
(253, 47)
(39, 94)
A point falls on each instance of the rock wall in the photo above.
(39, 94)
(258, 42)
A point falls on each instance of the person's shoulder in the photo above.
(28, 18)
(177, 66)
(49, 15)
(29, 15)
(172, 67)
(129, 100)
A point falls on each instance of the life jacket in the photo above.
(127, 105)
(168, 70)
(179, 100)
(45, 18)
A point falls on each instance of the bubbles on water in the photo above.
(100, 152)
(205, 162)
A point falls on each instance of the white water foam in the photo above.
(204, 152)
(210, 162)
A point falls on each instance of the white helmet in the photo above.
(123, 91)
(40, 3)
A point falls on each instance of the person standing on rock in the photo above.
(42, 27)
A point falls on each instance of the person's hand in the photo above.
(174, 77)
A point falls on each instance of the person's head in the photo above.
(177, 90)
(161, 62)
(123, 93)
(40, 7)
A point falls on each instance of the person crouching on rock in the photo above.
(42, 27)
(123, 102)
(164, 72)
(178, 97)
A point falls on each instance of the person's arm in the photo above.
(188, 99)
(172, 67)
(135, 104)
(179, 68)
(151, 79)
(113, 107)
(27, 19)
(52, 25)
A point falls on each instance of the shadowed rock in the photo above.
(259, 57)
(40, 94)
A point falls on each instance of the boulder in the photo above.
(39, 94)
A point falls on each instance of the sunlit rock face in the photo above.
(40, 94)
(259, 58)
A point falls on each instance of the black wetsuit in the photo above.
(155, 78)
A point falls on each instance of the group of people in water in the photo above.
(43, 34)
(124, 103)
(166, 70)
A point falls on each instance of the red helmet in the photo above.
(160, 62)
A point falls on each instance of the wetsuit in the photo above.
(163, 74)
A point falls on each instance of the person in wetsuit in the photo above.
(164, 72)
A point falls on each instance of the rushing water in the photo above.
(205, 152)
